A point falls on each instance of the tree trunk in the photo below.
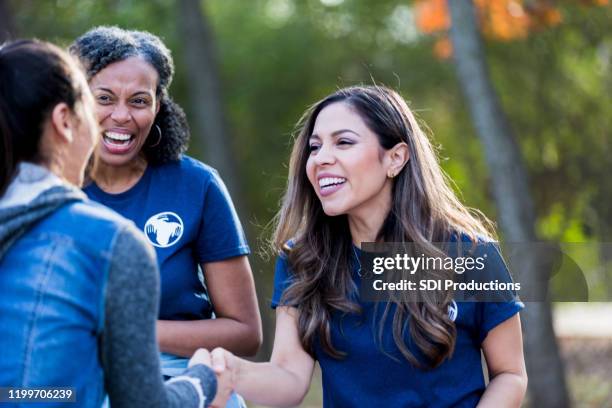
(547, 387)
(7, 25)
(205, 92)
(211, 128)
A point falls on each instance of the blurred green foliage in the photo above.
(279, 56)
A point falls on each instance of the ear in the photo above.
(397, 157)
(158, 105)
(61, 117)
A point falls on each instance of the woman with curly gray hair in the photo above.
(180, 204)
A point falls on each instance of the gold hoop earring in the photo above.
(159, 132)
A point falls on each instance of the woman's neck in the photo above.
(365, 223)
(117, 179)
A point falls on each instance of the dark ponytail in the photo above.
(34, 77)
(7, 166)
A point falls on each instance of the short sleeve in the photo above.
(492, 313)
(282, 280)
(221, 235)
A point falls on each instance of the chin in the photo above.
(114, 160)
(333, 211)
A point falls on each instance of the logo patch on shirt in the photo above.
(453, 310)
(164, 229)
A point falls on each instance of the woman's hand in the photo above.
(224, 362)
(224, 385)
(225, 365)
(282, 382)
(201, 356)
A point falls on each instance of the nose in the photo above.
(121, 113)
(324, 155)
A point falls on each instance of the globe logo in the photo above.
(164, 229)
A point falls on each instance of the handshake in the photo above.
(225, 366)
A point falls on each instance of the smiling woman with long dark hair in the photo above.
(362, 170)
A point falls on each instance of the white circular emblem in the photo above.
(164, 229)
(453, 310)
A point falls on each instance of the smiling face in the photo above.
(126, 106)
(347, 166)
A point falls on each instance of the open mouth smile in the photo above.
(116, 142)
(329, 185)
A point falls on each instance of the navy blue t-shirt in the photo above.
(186, 213)
(367, 376)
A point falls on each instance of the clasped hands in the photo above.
(225, 366)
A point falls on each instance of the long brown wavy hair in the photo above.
(424, 210)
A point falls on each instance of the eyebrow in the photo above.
(336, 133)
(134, 94)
